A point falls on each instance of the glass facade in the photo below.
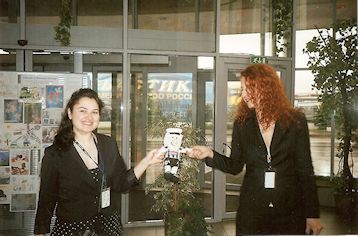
(264, 26)
(172, 25)
(9, 21)
(156, 60)
(233, 99)
(165, 90)
(312, 16)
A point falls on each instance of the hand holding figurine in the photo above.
(200, 152)
(155, 156)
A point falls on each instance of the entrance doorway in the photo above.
(228, 91)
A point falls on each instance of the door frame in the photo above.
(224, 63)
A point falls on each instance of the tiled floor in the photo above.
(333, 225)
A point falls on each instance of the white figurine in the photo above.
(172, 150)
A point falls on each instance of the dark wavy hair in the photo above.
(268, 96)
(65, 134)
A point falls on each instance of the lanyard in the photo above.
(99, 164)
(268, 157)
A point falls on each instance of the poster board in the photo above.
(31, 105)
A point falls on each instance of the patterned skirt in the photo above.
(101, 225)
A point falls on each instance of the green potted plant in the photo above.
(281, 27)
(63, 29)
(182, 211)
(333, 62)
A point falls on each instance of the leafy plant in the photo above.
(333, 61)
(182, 212)
(62, 30)
(281, 25)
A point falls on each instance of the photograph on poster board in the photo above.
(22, 136)
(20, 161)
(13, 111)
(5, 193)
(24, 183)
(23, 202)
(51, 117)
(2, 111)
(48, 134)
(54, 96)
(5, 174)
(4, 158)
(31, 93)
(4, 143)
(35, 161)
(32, 113)
(8, 88)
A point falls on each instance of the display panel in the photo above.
(30, 112)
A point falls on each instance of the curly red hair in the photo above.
(268, 95)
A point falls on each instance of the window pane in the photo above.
(100, 13)
(306, 100)
(9, 11)
(9, 21)
(302, 38)
(61, 61)
(106, 73)
(233, 98)
(92, 23)
(172, 25)
(240, 27)
(313, 15)
(320, 14)
(164, 90)
(248, 26)
(99, 23)
(7, 60)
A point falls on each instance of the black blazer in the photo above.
(67, 182)
(294, 197)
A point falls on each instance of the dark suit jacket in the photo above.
(294, 197)
(66, 181)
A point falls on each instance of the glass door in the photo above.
(107, 81)
(167, 92)
(231, 72)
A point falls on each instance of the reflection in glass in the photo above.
(172, 15)
(233, 98)
(9, 22)
(240, 27)
(306, 99)
(104, 90)
(53, 61)
(9, 11)
(170, 95)
(256, 27)
(100, 13)
(172, 25)
(159, 92)
(42, 12)
(7, 60)
(302, 38)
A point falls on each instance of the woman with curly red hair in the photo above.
(270, 138)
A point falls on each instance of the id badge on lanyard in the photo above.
(269, 179)
(105, 191)
(105, 197)
(269, 174)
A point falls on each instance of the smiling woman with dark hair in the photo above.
(83, 174)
